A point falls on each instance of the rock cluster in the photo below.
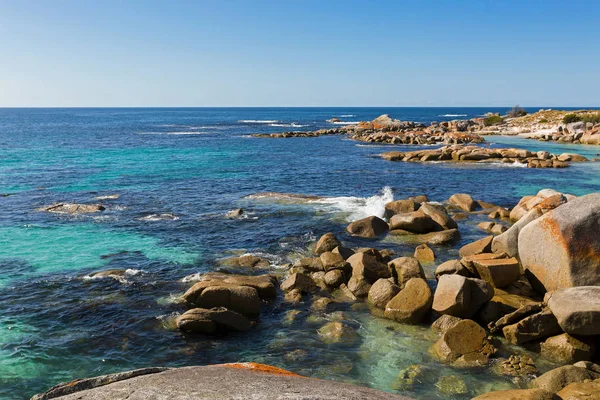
(462, 153)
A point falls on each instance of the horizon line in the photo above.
(382, 106)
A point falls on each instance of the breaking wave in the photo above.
(359, 207)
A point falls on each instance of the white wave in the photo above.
(452, 115)
(359, 207)
(159, 217)
(173, 133)
(292, 125)
(258, 121)
(347, 115)
(121, 278)
(346, 122)
(516, 164)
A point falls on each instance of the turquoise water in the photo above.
(56, 324)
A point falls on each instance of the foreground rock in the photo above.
(464, 344)
(558, 378)
(517, 394)
(412, 303)
(461, 297)
(562, 248)
(225, 381)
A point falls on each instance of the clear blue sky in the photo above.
(299, 53)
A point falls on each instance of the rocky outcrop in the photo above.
(72, 208)
(225, 381)
(461, 153)
(562, 248)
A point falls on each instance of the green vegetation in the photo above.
(570, 118)
(593, 118)
(493, 120)
(543, 121)
(516, 111)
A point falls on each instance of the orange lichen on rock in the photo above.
(261, 368)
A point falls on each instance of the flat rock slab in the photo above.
(224, 381)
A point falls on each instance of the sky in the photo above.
(299, 53)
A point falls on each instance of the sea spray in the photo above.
(356, 208)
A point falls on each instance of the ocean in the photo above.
(195, 164)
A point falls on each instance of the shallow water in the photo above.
(56, 324)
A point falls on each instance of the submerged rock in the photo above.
(72, 208)
(451, 385)
(409, 377)
(211, 321)
(336, 332)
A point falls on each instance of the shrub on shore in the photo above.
(543, 121)
(493, 120)
(570, 118)
(516, 111)
(593, 118)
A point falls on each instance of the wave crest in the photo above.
(359, 207)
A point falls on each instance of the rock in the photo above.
(308, 264)
(424, 253)
(577, 309)
(581, 391)
(408, 377)
(562, 248)
(323, 305)
(302, 282)
(498, 229)
(590, 366)
(464, 344)
(326, 243)
(517, 366)
(331, 260)
(567, 349)
(237, 213)
(533, 327)
(558, 378)
(514, 316)
(499, 272)
(445, 322)
(461, 297)
(486, 226)
(334, 278)
(411, 304)
(252, 261)
(517, 394)
(382, 292)
(264, 284)
(210, 321)
(480, 246)
(451, 385)
(440, 237)
(359, 287)
(72, 208)
(405, 268)
(439, 215)
(400, 207)
(365, 266)
(343, 251)
(225, 381)
(451, 267)
(293, 296)
(508, 242)
(336, 332)
(415, 222)
(369, 227)
(463, 201)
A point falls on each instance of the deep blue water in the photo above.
(56, 325)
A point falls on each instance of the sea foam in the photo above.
(359, 207)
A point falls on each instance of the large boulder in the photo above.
(400, 207)
(461, 297)
(451, 267)
(533, 327)
(381, 292)
(365, 266)
(416, 222)
(439, 215)
(558, 378)
(508, 242)
(210, 321)
(405, 268)
(480, 246)
(327, 242)
(424, 253)
(412, 303)
(577, 309)
(302, 282)
(463, 201)
(331, 260)
(464, 344)
(562, 248)
(567, 349)
(369, 227)
(498, 272)
(589, 390)
(264, 285)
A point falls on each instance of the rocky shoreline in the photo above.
(460, 153)
(544, 125)
(532, 283)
